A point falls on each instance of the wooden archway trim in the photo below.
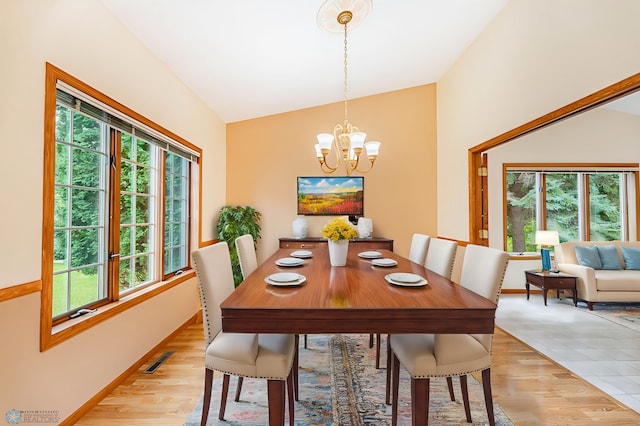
(479, 195)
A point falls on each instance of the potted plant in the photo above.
(338, 233)
(234, 222)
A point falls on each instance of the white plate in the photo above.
(405, 277)
(301, 253)
(289, 261)
(420, 283)
(370, 254)
(284, 277)
(273, 279)
(384, 262)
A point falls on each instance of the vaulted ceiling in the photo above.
(252, 58)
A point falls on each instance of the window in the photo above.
(81, 174)
(117, 192)
(581, 203)
(176, 219)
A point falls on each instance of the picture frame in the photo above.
(330, 196)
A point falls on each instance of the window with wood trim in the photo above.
(117, 198)
(582, 203)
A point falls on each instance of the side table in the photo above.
(551, 281)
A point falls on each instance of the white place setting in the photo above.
(370, 254)
(384, 262)
(303, 254)
(406, 279)
(286, 279)
(290, 261)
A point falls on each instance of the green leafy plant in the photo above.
(234, 222)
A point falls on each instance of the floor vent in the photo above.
(157, 363)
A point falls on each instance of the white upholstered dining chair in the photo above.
(246, 249)
(268, 356)
(417, 254)
(439, 258)
(419, 248)
(445, 355)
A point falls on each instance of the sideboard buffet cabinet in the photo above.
(360, 243)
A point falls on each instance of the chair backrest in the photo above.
(215, 281)
(483, 270)
(246, 254)
(419, 248)
(441, 256)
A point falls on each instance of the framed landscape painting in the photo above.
(331, 196)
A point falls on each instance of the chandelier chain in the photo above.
(347, 142)
(345, 72)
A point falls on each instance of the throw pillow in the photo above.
(609, 257)
(588, 256)
(631, 257)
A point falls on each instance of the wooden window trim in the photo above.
(609, 93)
(560, 168)
(50, 334)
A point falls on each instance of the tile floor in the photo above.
(600, 351)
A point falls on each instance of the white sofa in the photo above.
(601, 285)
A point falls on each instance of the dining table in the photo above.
(359, 297)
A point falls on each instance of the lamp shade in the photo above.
(547, 238)
(372, 147)
(325, 140)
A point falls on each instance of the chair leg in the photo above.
(450, 386)
(223, 396)
(396, 383)
(488, 399)
(295, 368)
(290, 388)
(208, 382)
(378, 351)
(465, 397)
(420, 401)
(387, 399)
(276, 395)
(238, 388)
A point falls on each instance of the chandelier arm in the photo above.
(365, 171)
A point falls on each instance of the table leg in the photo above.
(275, 389)
(526, 284)
(544, 295)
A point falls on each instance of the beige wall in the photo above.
(265, 155)
(536, 56)
(83, 39)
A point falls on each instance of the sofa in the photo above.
(606, 271)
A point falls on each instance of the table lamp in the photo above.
(546, 239)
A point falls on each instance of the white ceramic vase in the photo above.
(365, 227)
(338, 252)
(300, 227)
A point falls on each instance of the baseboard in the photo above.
(95, 400)
(518, 291)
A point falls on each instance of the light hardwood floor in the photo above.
(531, 389)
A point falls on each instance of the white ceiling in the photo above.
(252, 58)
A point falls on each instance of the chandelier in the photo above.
(347, 141)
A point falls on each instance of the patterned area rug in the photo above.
(339, 385)
(625, 314)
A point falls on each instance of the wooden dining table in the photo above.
(355, 298)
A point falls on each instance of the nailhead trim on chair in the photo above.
(205, 310)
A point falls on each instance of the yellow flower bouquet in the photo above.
(339, 229)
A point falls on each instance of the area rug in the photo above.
(339, 385)
(627, 315)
